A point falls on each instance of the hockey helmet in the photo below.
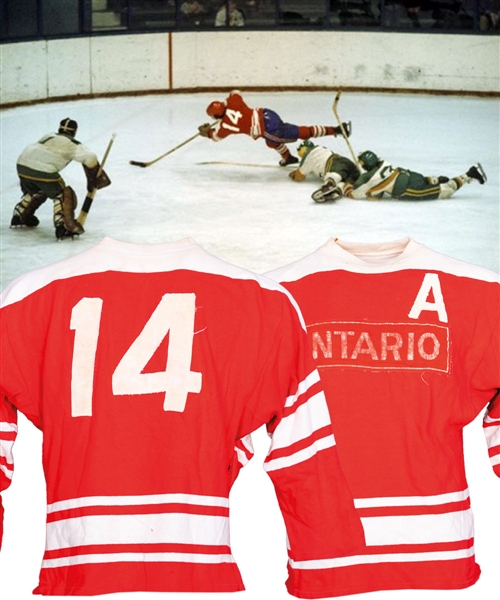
(216, 109)
(68, 126)
(305, 147)
(368, 160)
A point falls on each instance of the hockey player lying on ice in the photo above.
(236, 117)
(342, 178)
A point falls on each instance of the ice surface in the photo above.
(255, 217)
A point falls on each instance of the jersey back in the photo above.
(144, 372)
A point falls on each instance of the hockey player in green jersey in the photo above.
(383, 178)
(333, 168)
(38, 169)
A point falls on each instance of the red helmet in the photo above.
(216, 109)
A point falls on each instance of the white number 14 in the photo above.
(174, 314)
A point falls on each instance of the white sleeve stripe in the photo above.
(6, 450)
(308, 418)
(7, 427)
(411, 500)
(308, 382)
(488, 419)
(492, 436)
(242, 457)
(137, 501)
(7, 472)
(495, 460)
(301, 455)
(247, 443)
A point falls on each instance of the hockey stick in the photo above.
(89, 198)
(342, 130)
(138, 163)
(238, 164)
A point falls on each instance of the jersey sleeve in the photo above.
(491, 424)
(487, 381)
(8, 433)
(302, 462)
(85, 156)
(22, 339)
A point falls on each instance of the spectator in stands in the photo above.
(192, 12)
(235, 17)
(489, 15)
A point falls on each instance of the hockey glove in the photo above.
(205, 129)
(347, 129)
(95, 181)
(296, 175)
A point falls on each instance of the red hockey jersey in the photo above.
(146, 368)
(238, 118)
(406, 341)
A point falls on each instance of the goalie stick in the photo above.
(342, 130)
(89, 198)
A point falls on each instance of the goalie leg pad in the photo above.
(24, 211)
(64, 214)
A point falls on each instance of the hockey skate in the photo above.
(327, 192)
(347, 129)
(477, 172)
(19, 220)
(65, 234)
(291, 160)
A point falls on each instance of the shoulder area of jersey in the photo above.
(383, 257)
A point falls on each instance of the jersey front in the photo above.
(406, 341)
(239, 118)
(146, 368)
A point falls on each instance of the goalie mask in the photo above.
(305, 147)
(68, 126)
(216, 109)
(368, 160)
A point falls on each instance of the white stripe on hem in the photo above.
(411, 500)
(138, 501)
(83, 559)
(164, 528)
(366, 559)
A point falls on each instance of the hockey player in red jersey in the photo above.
(381, 178)
(235, 116)
(38, 169)
(147, 370)
(406, 341)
